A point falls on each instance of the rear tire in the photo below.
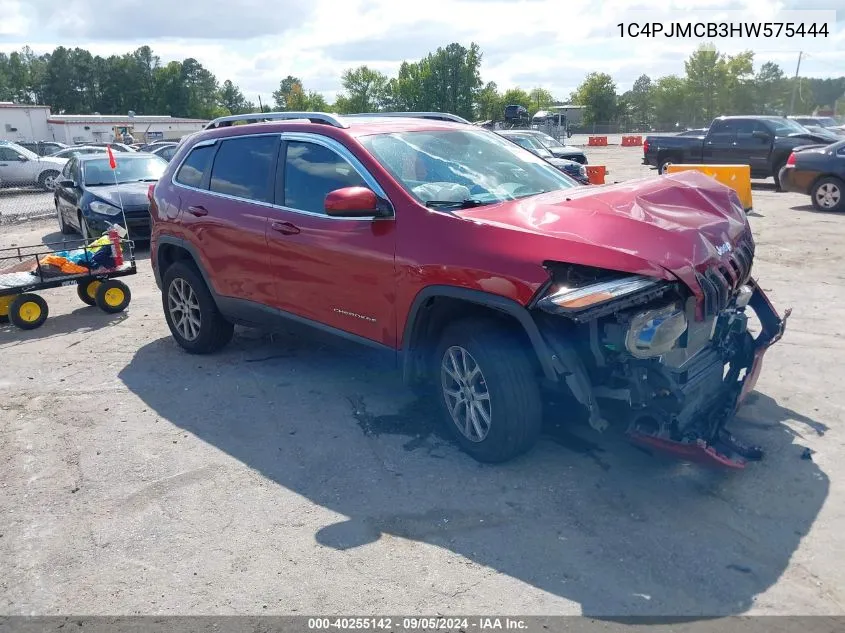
(778, 167)
(488, 390)
(664, 163)
(828, 194)
(191, 313)
(87, 292)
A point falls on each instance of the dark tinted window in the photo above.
(311, 172)
(195, 165)
(243, 167)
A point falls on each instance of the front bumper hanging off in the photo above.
(721, 448)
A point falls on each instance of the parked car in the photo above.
(574, 170)
(763, 142)
(19, 167)
(149, 147)
(42, 148)
(117, 147)
(830, 134)
(818, 121)
(818, 173)
(165, 150)
(70, 152)
(483, 271)
(558, 149)
(90, 196)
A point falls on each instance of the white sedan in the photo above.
(21, 168)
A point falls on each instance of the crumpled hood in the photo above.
(132, 194)
(680, 222)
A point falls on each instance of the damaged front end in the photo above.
(675, 361)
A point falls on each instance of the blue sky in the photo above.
(529, 43)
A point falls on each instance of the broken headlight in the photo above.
(655, 332)
(565, 299)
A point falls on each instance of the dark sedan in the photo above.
(90, 196)
(558, 149)
(574, 170)
(818, 172)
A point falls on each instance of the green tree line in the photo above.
(73, 81)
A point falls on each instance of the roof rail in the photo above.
(439, 116)
(261, 117)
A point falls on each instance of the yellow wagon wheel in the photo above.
(113, 296)
(5, 302)
(87, 291)
(28, 311)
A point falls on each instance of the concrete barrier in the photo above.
(632, 141)
(596, 174)
(737, 177)
(597, 141)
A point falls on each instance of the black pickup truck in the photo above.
(763, 142)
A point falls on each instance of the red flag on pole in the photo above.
(112, 161)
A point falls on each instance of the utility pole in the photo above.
(260, 105)
(795, 85)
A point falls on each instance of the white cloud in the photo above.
(531, 42)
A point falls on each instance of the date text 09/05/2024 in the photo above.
(417, 624)
(722, 29)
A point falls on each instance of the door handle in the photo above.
(285, 228)
(198, 211)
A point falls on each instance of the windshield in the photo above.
(550, 141)
(146, 168)
(827, 121)
(784, 127)
(463, 165)
(531, 144)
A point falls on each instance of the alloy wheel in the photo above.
(184, 308)
(828, 195)
(466, 394)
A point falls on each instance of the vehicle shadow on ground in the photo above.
(81, 321)
(763, 186)
(584, 516)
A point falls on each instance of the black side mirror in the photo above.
(65, 182)
(763, 136)
(23, 159)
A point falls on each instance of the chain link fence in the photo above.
(26, 184)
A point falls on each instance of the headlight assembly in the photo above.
(104, 208)
(572, 299)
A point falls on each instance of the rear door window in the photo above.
(245, 168)
(311, 172)
(192, 171)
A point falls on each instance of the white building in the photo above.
(82, 128)
(24, 122)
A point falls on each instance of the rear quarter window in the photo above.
(192, 171)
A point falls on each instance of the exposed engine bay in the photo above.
(678, 360)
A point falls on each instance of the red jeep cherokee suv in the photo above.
(489, 275)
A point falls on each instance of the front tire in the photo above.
(47, 180)
(488, 390)
(191, 313)
(112, 296)
(827, 194)
(28, 311)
